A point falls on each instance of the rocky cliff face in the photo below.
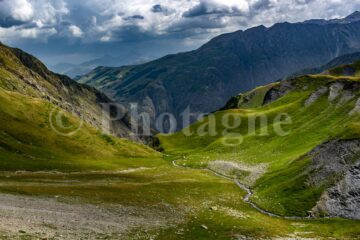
(23, 73)
(339, 163)
(343, 199)
(231, 63)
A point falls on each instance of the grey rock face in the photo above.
(356, 108)
(347, 95)
(343, 200)
(277, 92)
(316, 95)
(337, 163)
(335, 90)
(339, 93)
(331, 159)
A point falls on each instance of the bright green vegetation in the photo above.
(194, 196)
(198, 197)
(90, 167)
(32, 103)
(27, 141)
(283, 188)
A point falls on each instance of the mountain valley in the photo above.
(276, 156)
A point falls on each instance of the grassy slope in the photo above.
(282, 189)
(27, 141)
(28, 92)
(23, 73)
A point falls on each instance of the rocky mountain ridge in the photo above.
(206, 78)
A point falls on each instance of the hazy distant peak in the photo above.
(354, 17)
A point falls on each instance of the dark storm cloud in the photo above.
(161, 9)
(139, 17)
(261, 5)
(157, 8)
(304, 1)
(55, 29)
(191, 26)
(8, 21)
(209, 8)
(199, 10)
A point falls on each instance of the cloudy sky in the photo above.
(78, 30)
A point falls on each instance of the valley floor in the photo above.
(27, 217)
(164, 202)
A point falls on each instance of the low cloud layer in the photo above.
(70, 25)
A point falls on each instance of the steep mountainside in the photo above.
(342, 60)
(311, 167)
(231, 63)
(39, 109)
(22, 73)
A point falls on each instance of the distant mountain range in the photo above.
(229, 64)
(351, 18)
(76, 70)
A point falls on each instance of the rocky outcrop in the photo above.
(347, 95)
(278, 91)
(331, 159)
(335, 91)
(356, 109)
(338, 92)
(343, 199)
(316, 95)
(337, 164)
(256, 97)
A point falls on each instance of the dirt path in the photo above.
(247, 197)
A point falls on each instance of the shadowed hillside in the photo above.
(231, 63)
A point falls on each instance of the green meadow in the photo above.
(89, 167)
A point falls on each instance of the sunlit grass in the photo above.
(282, 189)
